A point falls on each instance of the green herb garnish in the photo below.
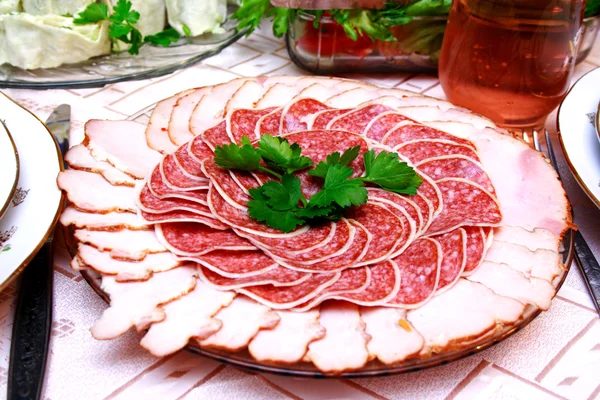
(164, 38)
(281, 204)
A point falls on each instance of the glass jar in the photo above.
(510, 60)
(324, 48)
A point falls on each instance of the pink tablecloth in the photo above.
(556, 356)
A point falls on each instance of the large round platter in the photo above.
(153, 61)
(36, 203)
(528, 307)
(577, 119)
(9, 165)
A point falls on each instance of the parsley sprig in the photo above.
(281, 204)
(122, 25)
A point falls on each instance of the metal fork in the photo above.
(588, 265)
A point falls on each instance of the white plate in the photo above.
(37, 201)
(577, 133)
(9, 165)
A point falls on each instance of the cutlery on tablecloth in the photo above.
(588, 265)
(33, 315)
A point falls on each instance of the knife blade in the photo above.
(33, 315)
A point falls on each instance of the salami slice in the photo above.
(379, 126)
(415, 216)
(456, 167)
(190, 165)
(316, 237)
(159, 189)
(175, 178)
(357, 120)
(405, 210)
(430, 192)
(353, 280)
(323, 118)
(454, 249)
(192, 239)
(409, 132)
(384, 285)
(475, 248)
(182, 216)
(240, 219)
(229, 188)
(281, 298)
(292, 117)
(234, 264)
(279, 276)
(213, 137)
(420, 271)
(465, 203)
(385, 228)
(242, 123)
(339, 244)
(199, 151)
(269, 123)
(150, 203)
(347, 257)
(419, 150)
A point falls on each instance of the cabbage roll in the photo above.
(199, 17)
(8, 6)
(57, 7)
(47, 41)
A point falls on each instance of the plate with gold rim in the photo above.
(577, 120)
(9, 165)
(36, 203)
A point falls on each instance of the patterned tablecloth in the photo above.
(556, 356)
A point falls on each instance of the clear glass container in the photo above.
(324, 48)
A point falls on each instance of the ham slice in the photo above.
(541, 263)
(453, 318)
(532, 182)
(79, 157)
(138, 303)
(93, 221)
(91, 192)
(209, 110)
(245, 97)
(539, 238)
(157, 136)
(123, 144)
(190, 316)
(393, 338)
(276, 95)
(344, 347)
(123, 245)
(242, 320)
(179, 128)
(506, 281)
(288, 341)
(125, 271)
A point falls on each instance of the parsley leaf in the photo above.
(260, 208)
(335, 159)
(388, 172)
(92, 14)
(233, 156)
(285, 195)
(164, 38)
(340, 190)
(279, 154)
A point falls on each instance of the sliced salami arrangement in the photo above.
(338, 225)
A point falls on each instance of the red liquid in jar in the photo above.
(510, 60)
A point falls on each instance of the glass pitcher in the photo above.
(510, 60)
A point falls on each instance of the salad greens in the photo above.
(375, 23)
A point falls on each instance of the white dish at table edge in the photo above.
(9, 165)
(577, 134)
(37, 201)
